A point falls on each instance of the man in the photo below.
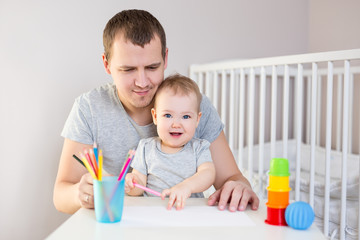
(118, 115)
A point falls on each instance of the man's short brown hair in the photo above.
(137, 26)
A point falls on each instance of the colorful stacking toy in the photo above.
(278, 191)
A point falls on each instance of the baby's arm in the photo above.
(199, 182)
(130, 179)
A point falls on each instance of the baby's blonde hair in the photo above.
(180, 84)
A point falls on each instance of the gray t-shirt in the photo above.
(164, 170)
(98, 116)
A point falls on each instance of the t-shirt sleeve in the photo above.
(210, 125)
(77, 125)
(138, 162)
(203, 153)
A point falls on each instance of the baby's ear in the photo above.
(198, 119)
(154, 116)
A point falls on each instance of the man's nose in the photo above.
(141, 80)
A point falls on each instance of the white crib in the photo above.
(300, 107)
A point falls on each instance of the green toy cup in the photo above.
(279, 167)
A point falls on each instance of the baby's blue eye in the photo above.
(167, 115)
(186, 116)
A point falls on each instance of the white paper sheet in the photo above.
(189, 216)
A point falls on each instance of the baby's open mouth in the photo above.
(175, 134)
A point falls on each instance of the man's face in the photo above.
(136, 71)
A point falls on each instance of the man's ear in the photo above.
(166, 58)
(154, 116)
(106, 64)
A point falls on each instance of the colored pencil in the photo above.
(100, 165)
(96, 152)
(126, 165)
(147, 189)
(132, 154)
(78, 159)
(93, 159)
(86, 163)
(89, 161)
(124, 169)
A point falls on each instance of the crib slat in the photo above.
(215, 90)
(351, 97)
(241, 118)
(200, 82)
(318, 109)
(273, 110)
(344, 148)
(250, 133)
(285, 111)
(298, 113)
(262, 128)
(223, 100)
(328, 136)
(232, 111)
(208, 85)
(308, 109)
(313, 133)
(338, 112)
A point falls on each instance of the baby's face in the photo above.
(176, 117)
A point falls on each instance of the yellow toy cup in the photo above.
(276, 182)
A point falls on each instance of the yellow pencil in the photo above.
(87, 166)
(100, 159)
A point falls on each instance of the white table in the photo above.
(83, 225)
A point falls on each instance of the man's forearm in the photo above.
(65, 197)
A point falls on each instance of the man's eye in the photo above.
(128, 69)
(167, 115)
(186, 117)
(153, 67)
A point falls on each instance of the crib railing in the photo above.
(289, 97)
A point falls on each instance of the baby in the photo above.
(175, 163)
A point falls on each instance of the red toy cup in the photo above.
(276, 216)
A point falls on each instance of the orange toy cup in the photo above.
(278, 199)
(276, 216)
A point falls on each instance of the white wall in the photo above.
(51, 52)
(334, 25)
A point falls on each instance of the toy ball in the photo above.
(299, 215)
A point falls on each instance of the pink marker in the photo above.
(147, 189)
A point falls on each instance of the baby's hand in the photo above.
(129, 182)
(179, 193)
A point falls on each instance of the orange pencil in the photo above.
(90, 162)
(88, 167)
(93, 159)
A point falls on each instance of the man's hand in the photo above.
(86, 192)
(237, 193)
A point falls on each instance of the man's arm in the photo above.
(73, 182)
(231, 185)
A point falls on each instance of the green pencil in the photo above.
(78, 159)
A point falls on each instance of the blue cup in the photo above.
(109, 199)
